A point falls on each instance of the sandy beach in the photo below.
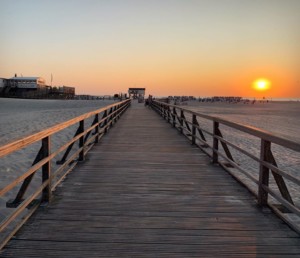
(22, 117)
(279, 117)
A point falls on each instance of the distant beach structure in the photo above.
(33, 88)
(183, 100)
(137, 93)
(230, 99)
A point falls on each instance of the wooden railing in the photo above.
(23, 206)
(209, 138)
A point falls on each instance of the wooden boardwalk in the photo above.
(144, 191)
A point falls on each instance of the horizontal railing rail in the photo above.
(86, 138)
(187, 122)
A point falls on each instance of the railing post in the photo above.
(115, 110)
(263, 173)
(173, 116)
(105, 121)
(81, 141)
(119, 108)
(97, 128)
(215, 142)
(46, 169)
(164, 112)
(169, 114)
(181, 121)
(194, 121)
(224, 145)
(110, 119)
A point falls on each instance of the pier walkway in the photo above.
(145, 191)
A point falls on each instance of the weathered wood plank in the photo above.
(143, 191)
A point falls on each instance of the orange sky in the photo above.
(196, 47)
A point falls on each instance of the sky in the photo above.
(170, 47)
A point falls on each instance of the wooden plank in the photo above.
(144, 191)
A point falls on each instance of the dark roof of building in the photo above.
(25, 78)
(137, 88)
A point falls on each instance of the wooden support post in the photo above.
(117, 112)
(63, 159)
(112, 116)
(81, 141)
(160, 110)
(225, 147)
(215, 142)
(173, 116)
(19, 198)
(97, 128)
(115, 115)
(194, 121)
(280, 180)
(263, 173)
(88, 134)
(46, 170)
(110, 119)
(200, 131)
(105, 121)
(164, 112)
(121, 109)
(181, 121)
(169, 114)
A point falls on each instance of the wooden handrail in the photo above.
(260, 133)
(175, 115)
(25, 141)
(111, 114)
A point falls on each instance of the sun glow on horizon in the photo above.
(261, 84)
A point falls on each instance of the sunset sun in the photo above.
(261, 84)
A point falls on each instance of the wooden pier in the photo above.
(145, 191)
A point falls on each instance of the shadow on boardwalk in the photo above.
(144, 191)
